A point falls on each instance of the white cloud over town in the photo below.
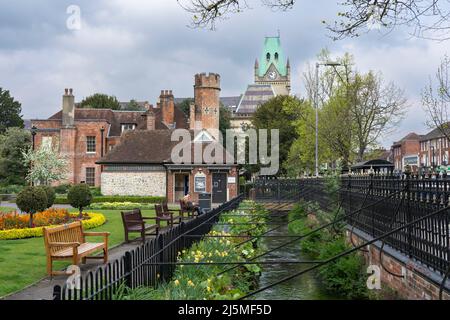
(133, 49)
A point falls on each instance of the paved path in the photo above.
(43, 290)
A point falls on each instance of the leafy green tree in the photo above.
(46, 165)
(79, 197)
(224, 120)
(133, 105)
(185, 105)
(100, 101)
(10, 110)
(280, 113)
(12, 145)
(32, 200)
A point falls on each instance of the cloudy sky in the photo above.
(134, 48)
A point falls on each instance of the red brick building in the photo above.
(434, 151)
(406, 152)
(129, 152)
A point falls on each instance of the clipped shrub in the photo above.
(96, 192)
(79, 197)
(50, 192)
(101, 199)
(63, 188)
(32, 200)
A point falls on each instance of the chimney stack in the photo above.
(167, 105)
(150, 119)
(68, 108)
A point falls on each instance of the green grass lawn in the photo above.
(23, 262)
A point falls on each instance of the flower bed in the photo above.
(14, 226)
(194, 282)
(121, 206)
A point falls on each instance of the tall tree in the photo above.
(10, 110)
(375, 107)
(100, 101)
(280, 113)
(133, 105)
(185, 105)
(12, 144)
(436, 99)
(423, 18)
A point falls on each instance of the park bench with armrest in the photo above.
(68, 242)
(133, 221)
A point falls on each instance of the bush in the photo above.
(345, 276)
(11, 189)
(101, 199)
(79, 196)
(32, 200)
(63, 188)
(96, 192)
(50, 192)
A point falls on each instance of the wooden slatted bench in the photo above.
(68, 242)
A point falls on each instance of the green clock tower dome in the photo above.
(273, 68)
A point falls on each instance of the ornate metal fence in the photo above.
(139, 267)
(386, 202)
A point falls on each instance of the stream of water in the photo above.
(304, 287)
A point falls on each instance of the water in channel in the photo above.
(304, 287)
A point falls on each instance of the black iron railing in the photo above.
(147, 265)
(388, 202)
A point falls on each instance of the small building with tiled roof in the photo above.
(130, 152)
(405, 152)
(435, 149)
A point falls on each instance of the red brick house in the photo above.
(434, 151)
(406, 152)
(128, 152)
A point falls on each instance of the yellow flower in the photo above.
(190, 283)
(177, 282)
(208, 288)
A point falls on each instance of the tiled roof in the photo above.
(228, 102)
(409, 136)
(147, 147)
(117, 118)
(256, 95)
(436, 133)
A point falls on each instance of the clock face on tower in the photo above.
(272, 75)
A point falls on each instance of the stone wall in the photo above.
(418, 281)
(134, 183)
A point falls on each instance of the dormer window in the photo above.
(276, 55)
(268, 56)
(128, 126)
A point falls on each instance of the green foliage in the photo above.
(224, 120)
(79, 196)
(121, 206)
(13, 142)
(185, 105)
(280, 113)
(50, 192)
(100, 101)
(345, 276)
(63, 188)
(11, 189)
(10, 112)
(98, 199)
(192, 283)
(46, 165)
(32, 200)
(133, 105)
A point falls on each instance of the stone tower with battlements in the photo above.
(205, 111)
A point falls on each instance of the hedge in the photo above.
(96, 220)
(133, 199)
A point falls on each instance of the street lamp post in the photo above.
(33, 136)
(316, 105)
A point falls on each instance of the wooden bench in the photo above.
(133, 221)
(68, 242)
(167, 216)
(191, 212)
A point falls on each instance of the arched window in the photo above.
(268, 56)
(276, 55)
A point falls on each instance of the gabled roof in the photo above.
(256, 95)
(410, 136)
(436, 133)
(150, 147)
